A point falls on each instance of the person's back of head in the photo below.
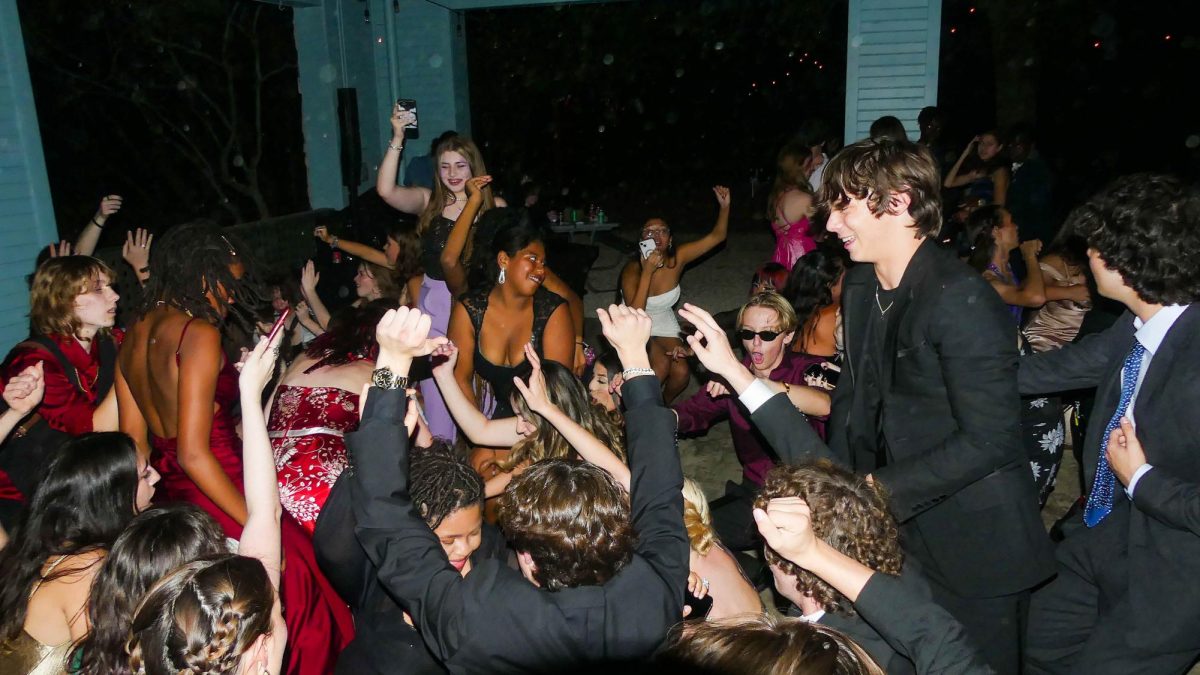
(762, 644)
(569, 522)
(209, 616)
(156, 542)
(874, 169)
(810, 284)
(848, 512)
(930, 121)
(87, 495)
(888, 127)
(1147, 228)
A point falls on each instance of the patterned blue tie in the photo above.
(1100, 501)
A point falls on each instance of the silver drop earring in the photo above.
(500, 279)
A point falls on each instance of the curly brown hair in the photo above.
(848, 513)
(55, 286)
(573, 519)
(872, 169)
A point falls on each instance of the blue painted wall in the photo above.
(26, 214)
(891, 62)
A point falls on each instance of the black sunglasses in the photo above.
(766, 335)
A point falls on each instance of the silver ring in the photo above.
(705, 583)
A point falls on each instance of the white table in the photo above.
(572, 229)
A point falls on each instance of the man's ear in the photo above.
(898, 203)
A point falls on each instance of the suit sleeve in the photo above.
(918, 628)
(656, 483)
(1169, 499)
(976, 348)
(788, 432)
(411, 562)
(1079, 365)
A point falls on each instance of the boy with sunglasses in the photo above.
(766, 326)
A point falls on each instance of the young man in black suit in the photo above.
(927, 403)
(603, 572)
(1127, 595)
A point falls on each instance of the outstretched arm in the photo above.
(482, 431)
(309, 278)
(360, 251)
(261, 535)
(695, 249)
(406, 199)
(90, 236)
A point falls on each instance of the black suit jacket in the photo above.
(494, 620)
(1161, 528)
(959, 481)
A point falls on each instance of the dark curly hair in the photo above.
(848, 513)
(442, 482)
(809, 287)
(873, 168)
(573, 519)
(350, 335)
(202, 617)
(1147, 228)
(157, 541)
(195, 258)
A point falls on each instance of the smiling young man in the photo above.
(1126, 599)
(927, 402)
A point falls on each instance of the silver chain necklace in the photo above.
(882, 310)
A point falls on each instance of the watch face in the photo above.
(383, 378)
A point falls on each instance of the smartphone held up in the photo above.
(408, 105)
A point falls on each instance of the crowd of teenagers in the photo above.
(444, 476)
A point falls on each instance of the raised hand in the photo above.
(259, 365)
(536, 396)
(653, 262)
(710, 343)
(403, 334)
(136, 250)
(109, 205)
(309, 278)
(786, 526)
(722, 194)
(24, 392)
(61, 250)
(627, 329)
(400, 119)
(321, 232)
(1031, 248)
(476, 185)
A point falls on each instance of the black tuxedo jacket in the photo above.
(945, 408)
(1161, 528)
(494, 620)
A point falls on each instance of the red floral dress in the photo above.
(306, 426)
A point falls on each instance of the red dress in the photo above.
(319, 623)
(63, 406)
(306, 426)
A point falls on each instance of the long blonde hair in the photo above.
(441, 197)
(696, 517)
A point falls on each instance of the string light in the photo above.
(953, 30)
(1096, 44)
(971, 11)
(1167, 37)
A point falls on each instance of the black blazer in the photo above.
(494, 620)
(956, 471)
(1161, 528)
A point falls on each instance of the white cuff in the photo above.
(755, 395)
(1137, 475)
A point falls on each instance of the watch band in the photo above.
(384, 378)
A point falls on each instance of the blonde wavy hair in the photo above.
(696, 517)
(55, 286)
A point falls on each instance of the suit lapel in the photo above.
(1172, 345)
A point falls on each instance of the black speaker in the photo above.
(351, 144)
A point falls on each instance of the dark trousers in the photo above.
(995, 625)
(1081, 621)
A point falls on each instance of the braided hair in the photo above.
(197, 261)
(201, 618)
(442, 482)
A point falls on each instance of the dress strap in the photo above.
(183, 334)
(38, 584)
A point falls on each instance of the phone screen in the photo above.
(409, 105)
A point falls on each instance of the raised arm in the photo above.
(452, 264)
(261, 535)
(478, 428)
(361, 251)
(411, 563)
(695, 249)
(953, 179)
(406, 199)
(656, 501)
(309, 278)
(1032, 290)
(588, 446)
(772, 412)
(136, 253)
(90, 235)
(199, 363)
(910, 622)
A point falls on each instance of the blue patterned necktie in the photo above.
(1100, 501)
